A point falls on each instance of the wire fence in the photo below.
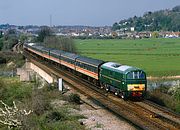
(8, 73)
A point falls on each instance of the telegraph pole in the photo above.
(50, 20)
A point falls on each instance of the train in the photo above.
(123, 80)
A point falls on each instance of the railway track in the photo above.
(160, 111)
(135, 112)
(17, 48)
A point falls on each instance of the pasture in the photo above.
(158, 57)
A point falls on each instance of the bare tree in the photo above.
(62, 43)
(12, 116)
(43, 33)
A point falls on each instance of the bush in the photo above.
(2, 60)
(1, 43)
(56, 116)
(12, 90)
(162, 99)
(58, 119)
(9, 56)
(176, 96)
(40, 102)
(75, 98)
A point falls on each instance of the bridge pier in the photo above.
(31, 72)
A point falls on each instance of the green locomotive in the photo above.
(123, 80)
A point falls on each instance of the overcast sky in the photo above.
(77, 12)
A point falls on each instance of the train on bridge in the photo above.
(123, 80)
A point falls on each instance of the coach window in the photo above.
(88, 67)
(85, 66)
(94, 69)
(82, 65)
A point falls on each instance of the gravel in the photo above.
(99, 118)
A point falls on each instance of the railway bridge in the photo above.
(31, 71)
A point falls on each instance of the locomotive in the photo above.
(124, 81)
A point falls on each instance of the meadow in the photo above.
(158, 57)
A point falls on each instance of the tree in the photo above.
(176, 9)
(155, 34)
(43, 33)
(62, 43)
(10, 42)
(23, 38)
(1, 43)
(1, 34)
(165, 20)
(115, 26)
(12, 116)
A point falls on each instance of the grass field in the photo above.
(158, 57)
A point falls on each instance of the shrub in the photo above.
(56, 116)
(162, 99)
(40, 102)
(12, 90)
(2, 60)
(75, 98)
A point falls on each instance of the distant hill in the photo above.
(163, 20)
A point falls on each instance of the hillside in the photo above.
(163, 20)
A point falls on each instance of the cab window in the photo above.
(136, 75)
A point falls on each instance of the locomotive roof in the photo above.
(118, 67)
(90, 61)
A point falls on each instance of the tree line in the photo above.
(45, 37)
(48, 39)
(163, 20)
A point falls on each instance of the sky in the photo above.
(77, 12)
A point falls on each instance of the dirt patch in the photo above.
(101, 119)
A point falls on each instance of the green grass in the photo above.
(158, 57)
(11, 89)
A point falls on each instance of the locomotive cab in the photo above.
(136, 83)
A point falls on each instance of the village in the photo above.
(88, 32)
